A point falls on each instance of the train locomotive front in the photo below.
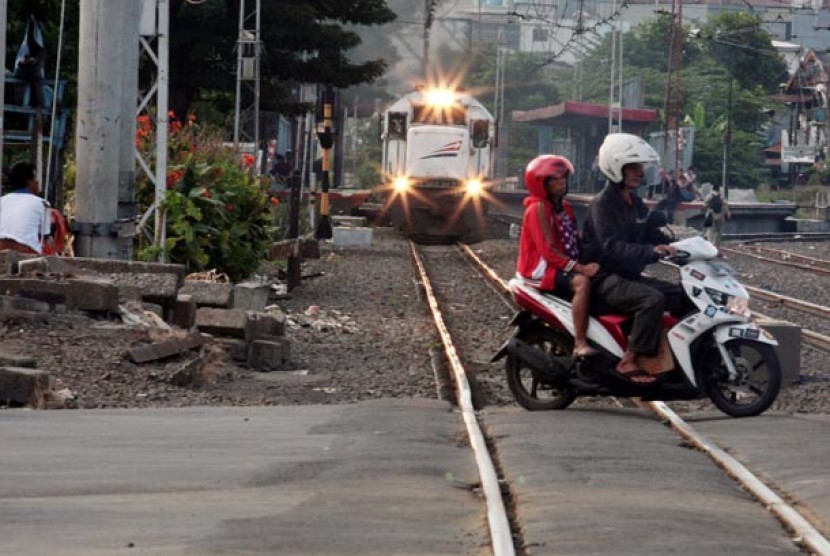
(438, 147)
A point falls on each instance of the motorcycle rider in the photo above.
(549, 244)
(618, 235)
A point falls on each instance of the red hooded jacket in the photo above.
(541, 251)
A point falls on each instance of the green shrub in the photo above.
(217, 215)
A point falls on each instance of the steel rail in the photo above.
(805, 533)
(733, 251)
(500, 533)
(814, 262)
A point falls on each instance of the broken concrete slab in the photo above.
(24, 386)
(158, 282)
(166, 348)
(208, 294)
(77, 294)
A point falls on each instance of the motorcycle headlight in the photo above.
(733, 304)
(738, 306)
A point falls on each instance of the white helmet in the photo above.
(620, 149)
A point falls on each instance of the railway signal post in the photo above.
(325, 134)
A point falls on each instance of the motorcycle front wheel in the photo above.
(530, 391)
(756, 385)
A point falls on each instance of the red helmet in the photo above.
(544, 166)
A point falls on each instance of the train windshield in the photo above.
(454, 114)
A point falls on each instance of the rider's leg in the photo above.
(646, 303)
(581, 286)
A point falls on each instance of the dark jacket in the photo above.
(616, 235)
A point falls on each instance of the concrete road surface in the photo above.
(375, 478)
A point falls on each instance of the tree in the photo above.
(708, 60)
(737, 41)
(302, 41)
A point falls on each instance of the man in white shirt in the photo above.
(23, 225)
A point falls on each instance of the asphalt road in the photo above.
(389, 477)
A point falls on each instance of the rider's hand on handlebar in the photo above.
(665, 250)
(589, 269)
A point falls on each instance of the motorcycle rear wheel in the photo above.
(530, 391)
(757, 384)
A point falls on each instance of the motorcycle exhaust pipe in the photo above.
(538, 361)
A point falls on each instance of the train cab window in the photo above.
(451, 115)
(480, 133)
(396, 125)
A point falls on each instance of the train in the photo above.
(438, 148)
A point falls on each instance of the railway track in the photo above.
(441, 302)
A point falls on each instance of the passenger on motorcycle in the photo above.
(549, 243)
(618, 235)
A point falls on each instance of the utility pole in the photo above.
(673, 97)
(429, 17)
(727, 142)
(98, 130)
(126, 210)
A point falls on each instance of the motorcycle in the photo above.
(717, 351)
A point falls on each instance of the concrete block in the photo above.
(264, 324)
(351, 237)
(265, 355)
(22, 386)
(251, 296)
(209, 294)
(788, 335)
(222, 322)
(349, 221)
(183, 314)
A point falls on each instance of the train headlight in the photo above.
(401, 184)
(440, 97)
(474, 187)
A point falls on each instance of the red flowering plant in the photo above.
(217, 215)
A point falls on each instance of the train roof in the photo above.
(405, 102)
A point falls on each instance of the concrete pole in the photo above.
(129, 55)
(98, 132)
(3, 12)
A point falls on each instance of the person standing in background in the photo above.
(717, 210)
